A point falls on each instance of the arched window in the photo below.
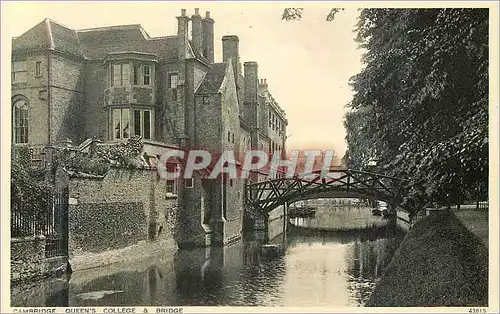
(20, 117)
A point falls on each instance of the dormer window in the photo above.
(120, 74)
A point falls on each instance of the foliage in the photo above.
(331, 16)
(292, 14)
(295, 14)
(122, 155)
(421, 103)
(30, 192)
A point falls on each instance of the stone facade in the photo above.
(115, 82)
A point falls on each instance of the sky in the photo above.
(307, 63)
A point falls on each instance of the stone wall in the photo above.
(119, 210)
(276, 223)
(27, 259)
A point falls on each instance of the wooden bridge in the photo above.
(263, 197)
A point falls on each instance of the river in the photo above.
(334, 259)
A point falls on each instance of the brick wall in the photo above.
(121, 209)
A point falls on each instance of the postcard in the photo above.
(176, 157)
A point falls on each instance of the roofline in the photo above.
(49, 31)
(107, 28)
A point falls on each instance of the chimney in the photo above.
(182, 34)
(230, 50)
(251, 81)
(263, 87)
(208, 37)
(250, 102)
(196, 24)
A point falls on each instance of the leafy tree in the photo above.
(30, 192)
(420, 106)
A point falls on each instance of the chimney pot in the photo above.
(196, 11)
(207, 14)
(265, 81)
(183, 12)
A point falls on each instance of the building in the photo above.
(112, 83)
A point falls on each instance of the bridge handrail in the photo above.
(331, 170)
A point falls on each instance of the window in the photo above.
(188, 183)
(19, 72)
(120, 74)
(232, 135)
(146, 73)
(121, 124)
(20, 118)
(205, 100)
(143, 123)
(229, 136)
(136, 74)
(38, 68)
(172, 84)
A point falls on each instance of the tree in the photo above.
(30, 192)
(420, 105)
(295, 14)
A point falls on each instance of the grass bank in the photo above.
(439, 263)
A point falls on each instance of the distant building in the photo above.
(112, 83)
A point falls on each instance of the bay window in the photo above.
(146, 74)
(129, 122)
(120, 74)
(121, 124)
(143, 123)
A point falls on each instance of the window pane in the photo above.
(147, 124)
(125, 74)
(170, 186)
(137, 122)
(146, 73)
(38, 69)
(173, 80)
(20, 122)
(126, 123)
(116, 123)
(18, 66)
(136, 74)
(117, 75)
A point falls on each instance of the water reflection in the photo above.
(321, 267)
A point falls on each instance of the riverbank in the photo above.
(439, 263)
(476, 220)
(130, 254)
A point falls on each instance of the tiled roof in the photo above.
(213, 79)
(65, 39)
(38, 37)
(95, 43)
(198, 54)
(49, 34)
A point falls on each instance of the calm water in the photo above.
(335, 261)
